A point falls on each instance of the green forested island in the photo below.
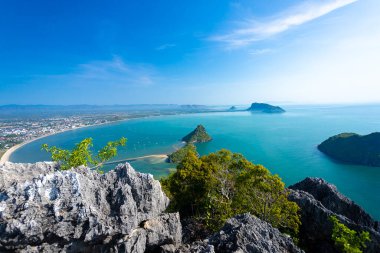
(198, 135)
(265, 108)
(353, 148)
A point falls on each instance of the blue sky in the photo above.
(197, 52)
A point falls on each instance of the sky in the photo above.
(189, 52)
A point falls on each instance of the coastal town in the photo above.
(16, 131)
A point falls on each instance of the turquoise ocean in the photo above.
(284, 143)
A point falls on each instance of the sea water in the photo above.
(284, 143)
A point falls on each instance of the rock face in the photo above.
(199, 134)
(242, 234)
(265, 108)
(319, 200)
(353, 148)
(46, 210)
(246, 233)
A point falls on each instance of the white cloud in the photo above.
(114, 73)
(254, 30)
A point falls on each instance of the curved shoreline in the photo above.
(5, 157)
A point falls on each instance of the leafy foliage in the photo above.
(220, 185)
(177, 156)
(82, 155)
(347, 240)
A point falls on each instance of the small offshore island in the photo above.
(265, 108)
(353, 148)
(198, 135)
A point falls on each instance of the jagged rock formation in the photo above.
(353, 148)
(199, 134)
(46, 210)
(243, 233)
(43, 209)
(319, 200)
(246, 233)
(265, 108)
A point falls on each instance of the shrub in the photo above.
(220, 185)
(82, 155)
(347, 240)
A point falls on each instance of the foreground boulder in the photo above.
(319, 200)
(244, 234)
(46, 210)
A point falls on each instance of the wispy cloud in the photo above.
(114, 73)
(254, 30)
(261, 51)
(165, 46)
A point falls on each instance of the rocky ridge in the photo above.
(319, 200)
(43, 209)
(46, 210)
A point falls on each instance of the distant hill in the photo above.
(16, 111)
(353, 148)
(265, 108)
(199, 134)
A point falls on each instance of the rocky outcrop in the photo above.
(46, 210)
(246, 233)
(43, 209)
(319, 200)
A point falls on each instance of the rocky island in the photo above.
(265, 108)
(198, 135)
(353, 148)
(43, 209)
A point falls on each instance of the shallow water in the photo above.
(284, 143)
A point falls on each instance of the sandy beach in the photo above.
(8, 153)
(5, 157)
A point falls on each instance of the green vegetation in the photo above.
(347, 240)
(198, 135)
(177, 156)
(220, 185)
(353, 148)
(82, 155)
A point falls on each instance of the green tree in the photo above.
(347, 240)
(81, 154)
(220, 185)
(178, 155)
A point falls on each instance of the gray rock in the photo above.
(241, 234)
(319, 200)
(246, 233)
(46, 210)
